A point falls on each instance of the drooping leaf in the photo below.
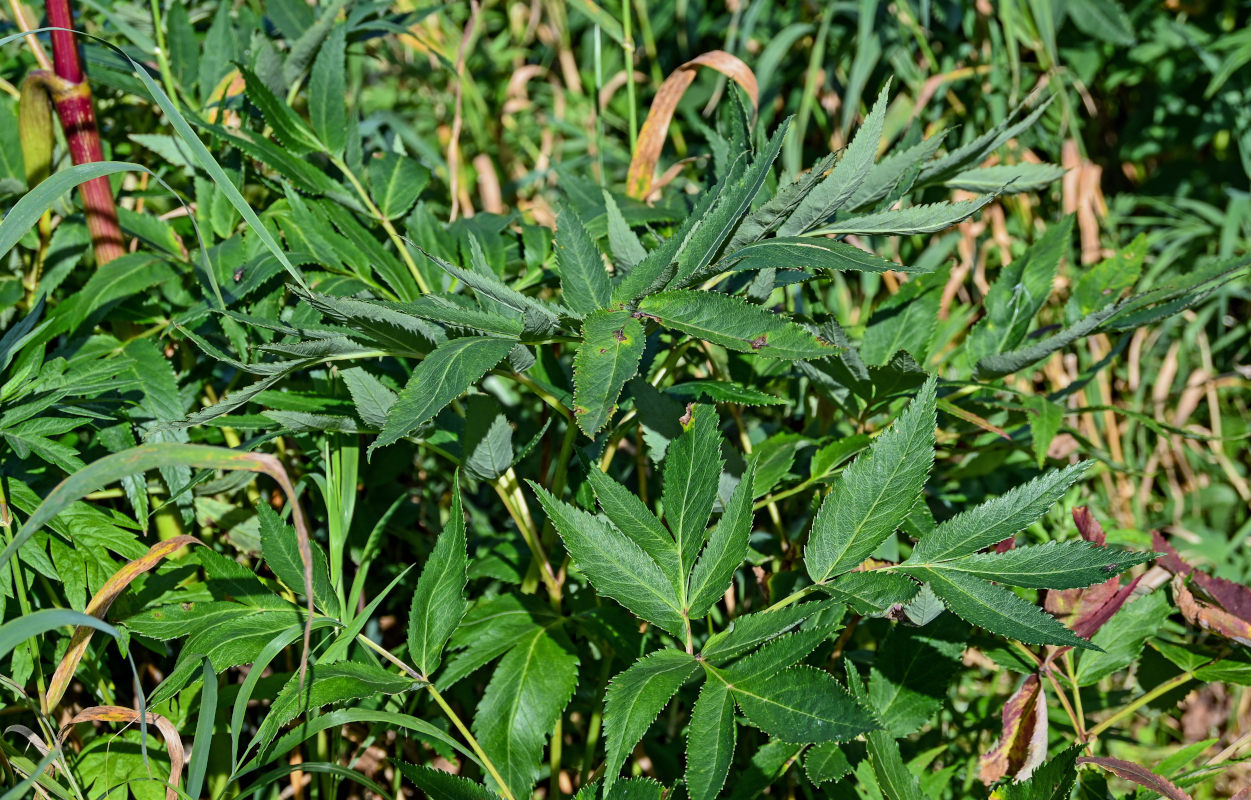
(1022, 744)
(710, 741)
(445, 374)
(612, 344)
(520, 706)
(734, 324)
(874, 495)
(614, 564)
(635, 698)
(439, 600)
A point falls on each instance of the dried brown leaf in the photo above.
(656, 127)
(99, 606)
(1210, 617)
(1022, 745)
(173, 742)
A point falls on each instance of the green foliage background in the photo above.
(586, 481)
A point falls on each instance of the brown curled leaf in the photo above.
(656, 127)
(99, 606)
(1135, 773)
(1209, 617)
(1022, 745)
(128, 716)
(1232, 597)
(1089, 527)
(154, 456)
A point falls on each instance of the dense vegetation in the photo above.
(630, 400)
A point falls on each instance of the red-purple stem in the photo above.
(72, 97)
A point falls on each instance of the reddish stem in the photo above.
(72, 97)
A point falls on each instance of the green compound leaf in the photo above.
(281, 550)
(1053, 565)
(846, 177)
(876, 493)
(526, 695)
(734, 324)
(635, 698)
(727, 547)
(801, 704)
(691, 477)
(627, 512)
(612, 344)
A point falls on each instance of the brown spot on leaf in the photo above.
(758, 342)
(685, 419)
(619, 334)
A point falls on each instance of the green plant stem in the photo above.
(1159, 691)
(1064, 701)
(392, 233)
(451, 714)
(793, 597)
(473, 742)
(162, 55)
(627, 47)
(509, 491)
(782, 495)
